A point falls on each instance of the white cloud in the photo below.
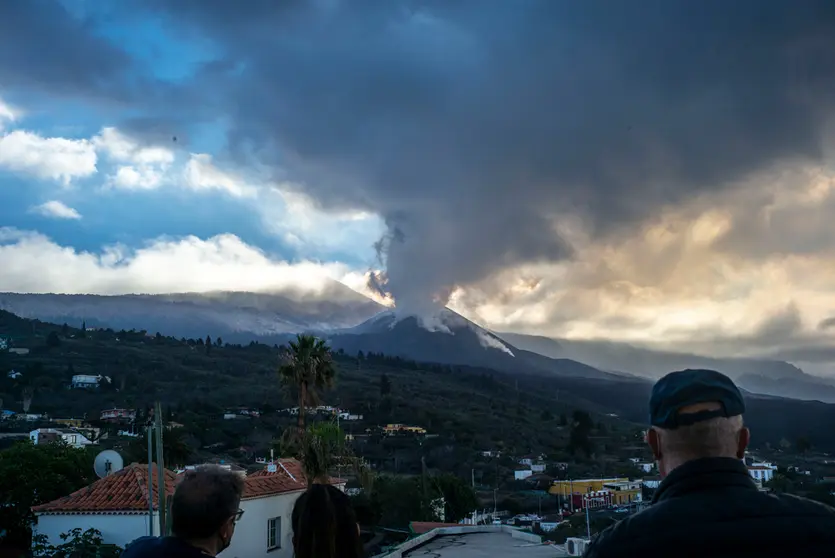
(57, 210)
(7, 114)
(35, 263)
(297, 220)
(59, 159)
(139, 167)
(132, 177)
(202, 174)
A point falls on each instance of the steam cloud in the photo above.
(475, 127)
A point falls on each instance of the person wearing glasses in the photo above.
(204, 510)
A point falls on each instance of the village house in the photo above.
(521, 473)
(117, 506)
(391, 429)
(70, 437)
(84, 381)
(14, 374)
(118, 415)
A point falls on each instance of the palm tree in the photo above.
(307, 366)
(323, 449)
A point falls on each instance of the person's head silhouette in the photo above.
(325, 525)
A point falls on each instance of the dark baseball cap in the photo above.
(690, 387)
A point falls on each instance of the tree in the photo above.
(77, 544)
(580, 430)
(27, 393)
(83, 333)
(307, 368)
(460, 499)
(65, 330)
(385, 385)
(208, 344)
(219, 341)
(803, 444)
(175, 450)
(563, 420)
(52, 340)
(32, 475)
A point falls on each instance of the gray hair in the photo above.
(716, 437)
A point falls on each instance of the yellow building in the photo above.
(624, 492)
(390, 429)
(581, 486)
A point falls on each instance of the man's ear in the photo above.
(654, 442)
(742, 442)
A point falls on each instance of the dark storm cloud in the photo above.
(47, 49)
(470, 125)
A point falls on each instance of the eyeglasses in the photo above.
(238, 515)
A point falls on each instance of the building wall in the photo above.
(250, 539)
(115, 529)
(581, 486)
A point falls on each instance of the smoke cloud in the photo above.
(489, 134)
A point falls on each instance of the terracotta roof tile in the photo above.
(123, 491)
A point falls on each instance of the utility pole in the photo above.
(150, 434)
(161, 495)
(588, 525)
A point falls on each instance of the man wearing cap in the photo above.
(707, 504)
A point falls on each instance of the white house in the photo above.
(646, 466)
(14, 374)
(71, 437)
(85, 381)
(522, 474)
(538, 467)
(761, 473)
(526, 461)
(116, 505)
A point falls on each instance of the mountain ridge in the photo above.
(764, 376)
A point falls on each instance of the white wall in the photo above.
(250, 539)
(523, 474)
(115, 529)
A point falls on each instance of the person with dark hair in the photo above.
(204, 510)
(325, 525)
(708, 504)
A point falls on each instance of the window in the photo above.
(274, 533)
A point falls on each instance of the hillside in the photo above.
(471, 408)
(454, 340)
(235, 315)
(769, 377)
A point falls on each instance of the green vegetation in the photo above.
(32, 475)
(77, 544)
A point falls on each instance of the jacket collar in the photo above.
(709, 473)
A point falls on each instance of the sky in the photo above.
(656, 172)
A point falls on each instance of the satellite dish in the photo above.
(107, 463)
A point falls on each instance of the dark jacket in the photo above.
(161, 547)
(711, 508)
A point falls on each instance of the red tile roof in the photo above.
(264, 483)
(124, 491)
